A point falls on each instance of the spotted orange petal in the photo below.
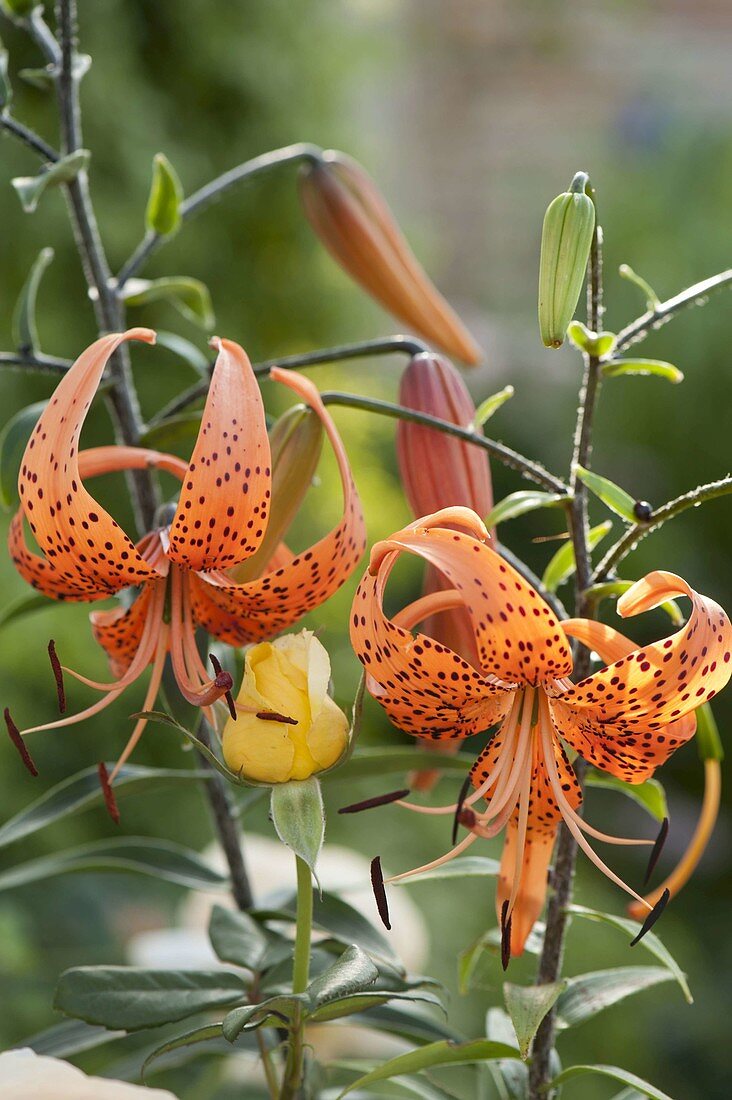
(425, 688)
(119, 630)
(240, 613)
(84, 546)
(518, 636)
(224, 503)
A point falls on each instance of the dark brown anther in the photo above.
(459, 808)
(225, 681)
(505, 936)
(275, 716)
(19, 743)
(652, 917)
(58, 674)
(377, 883)
(372, 803)
(657, 849)
(109, 800)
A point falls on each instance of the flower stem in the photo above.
(292, 1082)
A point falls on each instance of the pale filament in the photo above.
(523, 818)
(150, 697)
(191, 690)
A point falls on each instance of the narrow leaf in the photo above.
(491, 405)
(517, 504)
(190, 297)
(166, 195)
(182, 428)
(594, 343)
(400, 1019)
(352, 973)
(13, 440)
(527, 1006)
(708, 741)
(24, 328)
(70, 1037)
(6, 90)
(511, 1077)
(616, 498)
(299, 818)
(615, 1074)
(562, 565)
(251, 1016)
(45, 79)
(650, 941)
(31, 188)
(159, 858)
(204, 1034)
(24, 605)
(618, 368)
(435, 1054)
(131, 997)
(187, 350)
(652, 299)
(378, 762)
(366, 1001)
(237, 938)
(650, 795)
(588, 994)
(462, 867)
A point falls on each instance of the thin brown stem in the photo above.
(226, 821)
(29, 137)
(654, 318)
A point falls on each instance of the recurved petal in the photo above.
(518, 636)
(425, 688)
(241, 613)
(85, 547)
(661, 682)
(224, 503)
(119, 630)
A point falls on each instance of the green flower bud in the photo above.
(565, 248)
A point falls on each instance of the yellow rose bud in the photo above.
(288, 726)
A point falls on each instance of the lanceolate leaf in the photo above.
(182, 428)
(299, 818)
(362, 1002)
(82, 791)
(205, 1034)
(588, 994)
(30, 188)
(617, 499)
(650, 941)
(615, 1074)
(237, 938)
(562, 565)
(517, 504)
(376, 762)
(159, 858)
(435, 1054)
(650, 795)
(25, 331)
(527, 1006)
(24, 605)
(185, 350)
(190, 296)
(13, 440)
(166, 195)
(403, 1020)
(70, 1037)
(617, 368)
(491, 405)
(462, 867)
(352, 973)
(131, 997)
(511, 1077)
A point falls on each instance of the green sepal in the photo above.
(298, 816)
(162, 215)
(31, 188)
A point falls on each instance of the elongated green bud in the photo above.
(565, 249)
(295, 440)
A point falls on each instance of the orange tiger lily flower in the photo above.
(626, 719)
(182, 569)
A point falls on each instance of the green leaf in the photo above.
(511, 1077)
(616, 1074)
(299, 818)
(203, 1034)
(491, 405)
(462, 867)
(6, 90)
(588, 994)
(131, 997)
(166, 195)
(708, 741)
(31, 188)
(185, 349)
(22, 606)
(517, 504)
(435, 1054)
(82, 791)
(352, 973)
(617, 499)
(527, 1006)
(252, 1016)
(159, 858)
(70, 1037)
(375, 762)
(362, 1002)
(652, 299)
(650, 941)
(182, 428)
(45, 79)
(190, 297)
(594, 343)
(650, 794)
(618, 368)
(237, 938)
(612, 589)
(13, 440)
(167, 720)
(24, 329)
(402, 1020)
(562, 565)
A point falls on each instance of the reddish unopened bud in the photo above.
(353, 221)
(441, 471)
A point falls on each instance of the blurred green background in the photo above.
(472, 116)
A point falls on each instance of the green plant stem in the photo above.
(562, 878)
(515, 461)
(292, 1081)
(654, 318)
(214, 190)
(630, 539)
(270, 1073)
(29, 137)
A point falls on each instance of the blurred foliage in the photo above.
(211, 85)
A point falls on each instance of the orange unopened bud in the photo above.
(353, 221)
(441, 471)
